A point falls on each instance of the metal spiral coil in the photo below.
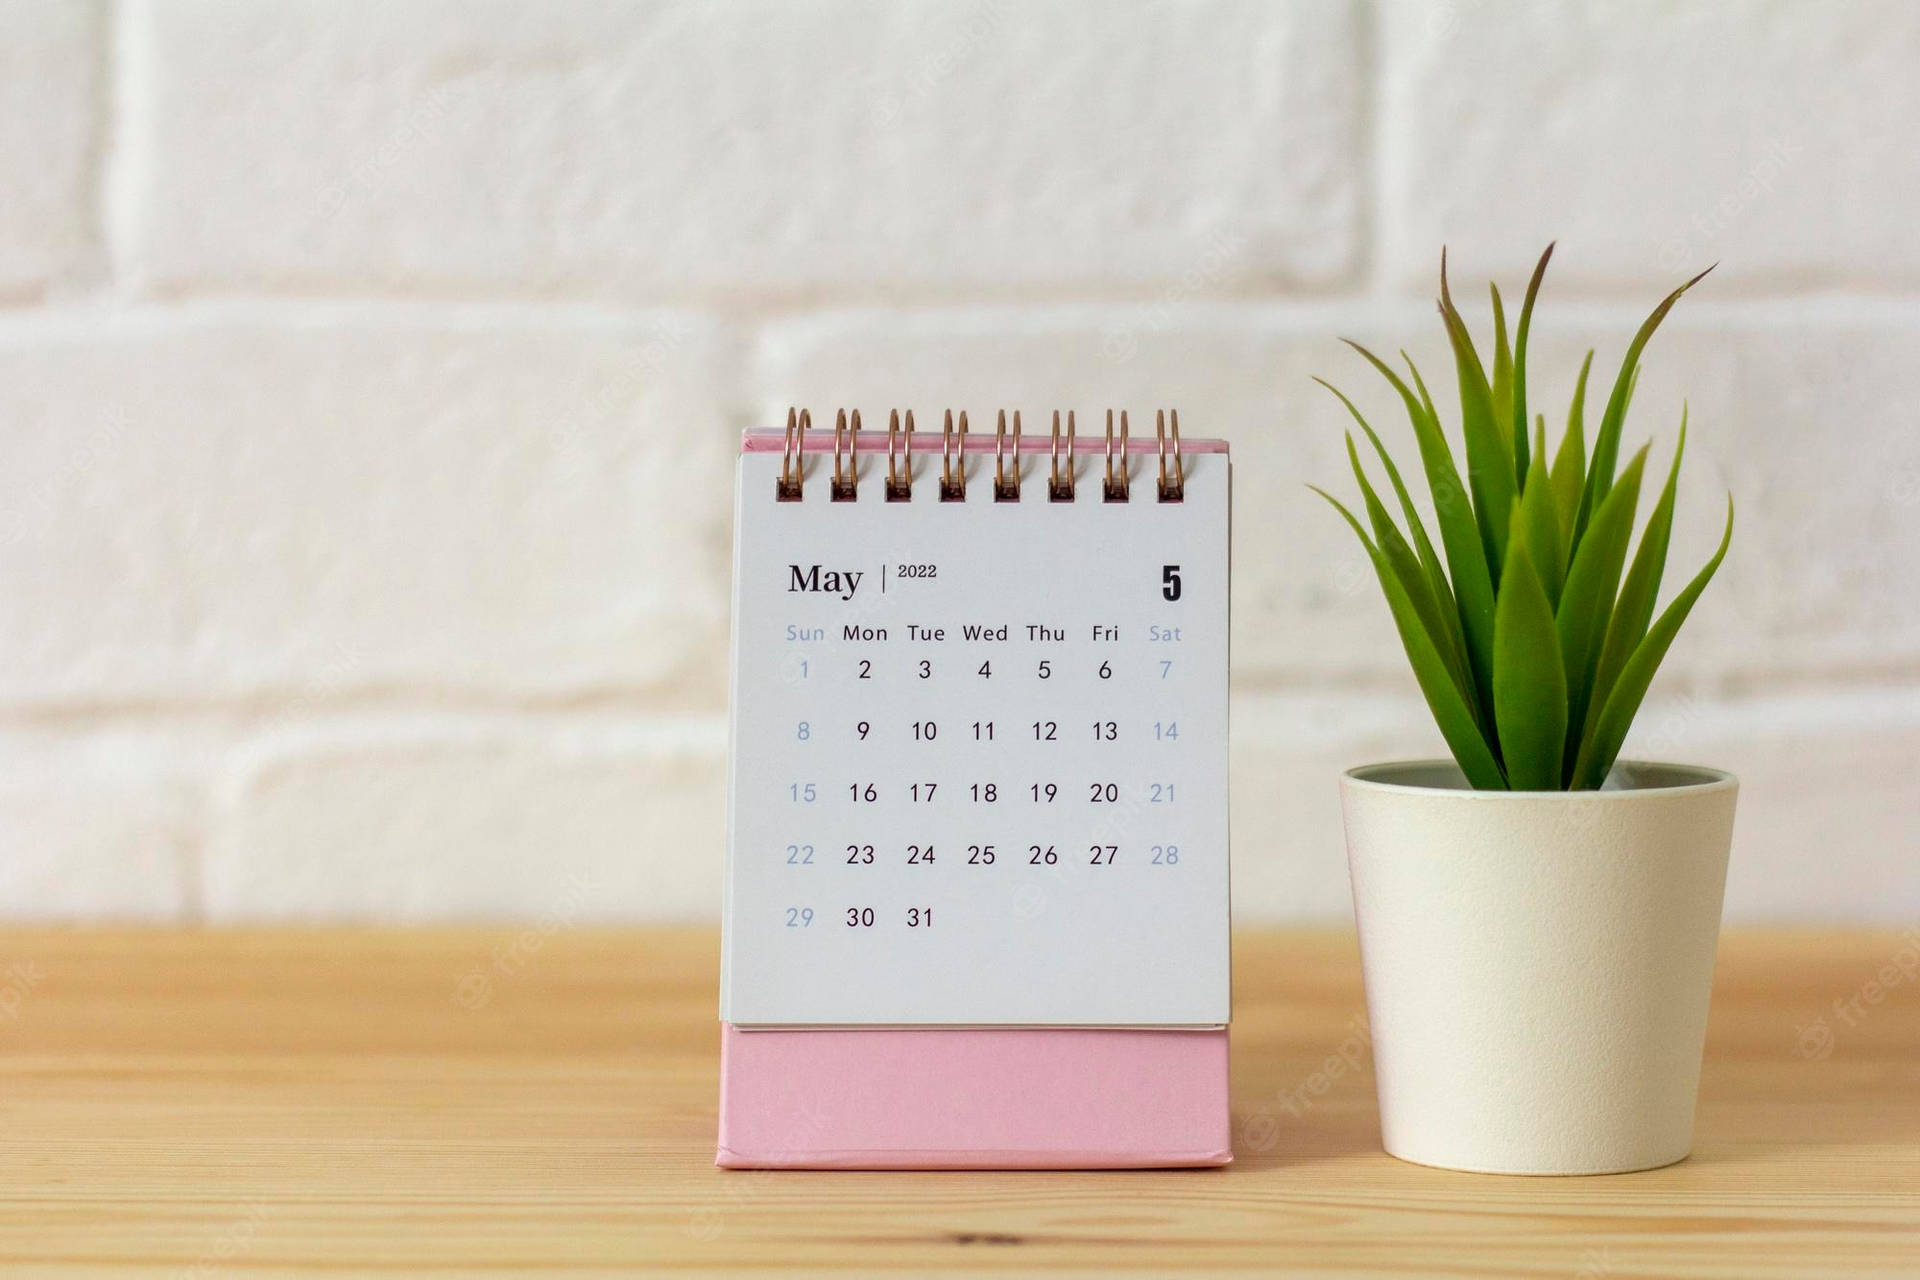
(1062, 471)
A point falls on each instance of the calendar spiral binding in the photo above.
(897, 484)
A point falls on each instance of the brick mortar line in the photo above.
(1897, 701)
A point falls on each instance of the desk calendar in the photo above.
(978, 768)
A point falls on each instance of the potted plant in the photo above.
(1537, 918)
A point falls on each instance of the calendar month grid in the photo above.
(978, 765)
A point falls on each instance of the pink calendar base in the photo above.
(972, 1099)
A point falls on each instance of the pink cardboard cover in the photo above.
(946, 1098)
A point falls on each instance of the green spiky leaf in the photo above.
(1447, 632)
(1570, 464)
(1593, 580)
(1524, 462)
(1531, 650)
(1502, 384)
(1412, 576)
(1600, 750)
(1450, 711)
(1539, 528)
(1606, 442)
(1459, 535)
(1634, 609)
(1489, 448)
(1529, 685)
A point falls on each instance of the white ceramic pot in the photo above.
(1538, 963)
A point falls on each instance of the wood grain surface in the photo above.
(494, 1103)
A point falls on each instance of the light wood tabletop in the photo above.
(489, 1103)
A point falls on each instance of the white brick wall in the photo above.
(1653, 136)
(370, 372)
(220, 503)
(749, 151)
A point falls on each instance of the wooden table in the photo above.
(486, 1103)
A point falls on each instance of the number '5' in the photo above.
(1170, 581)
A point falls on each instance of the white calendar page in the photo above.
(978, 770)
